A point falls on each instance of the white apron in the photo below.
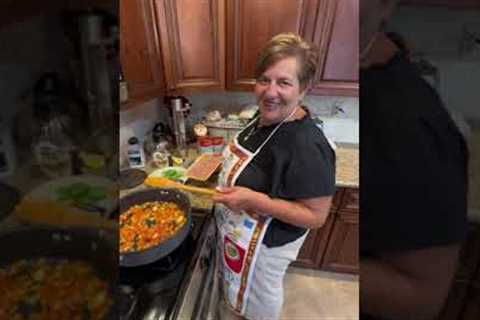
(240, 233)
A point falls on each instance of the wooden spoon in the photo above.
(166, 183)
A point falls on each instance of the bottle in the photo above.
(136, 155)
(53, 150)
(161, 156)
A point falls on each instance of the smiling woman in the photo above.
(277, 182)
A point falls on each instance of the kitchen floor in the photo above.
(320, 295)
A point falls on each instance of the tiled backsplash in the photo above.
(141, 119)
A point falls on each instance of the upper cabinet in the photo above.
(251, 23)
(446, 3)
(182, 46)
(140, 53)
(192, 35)
(331, 24)
(337, 36)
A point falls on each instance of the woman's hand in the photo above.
(237, 198)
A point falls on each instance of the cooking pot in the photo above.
(154, 253)
(87, 245)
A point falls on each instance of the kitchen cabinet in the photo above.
(334, 247)
(140, 52)
(311, 253)
(251, 23)
(459, 4)
(313, 249)
(342, 250)
(192, 34)
(184, 46)
(337, 37)
(332, 25)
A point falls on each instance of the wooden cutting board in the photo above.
(204, 166)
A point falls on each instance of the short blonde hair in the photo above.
(285, 45)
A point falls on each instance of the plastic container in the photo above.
(217, 144)
(205, 145)
(136, 155)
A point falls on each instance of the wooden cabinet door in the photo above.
(140, 53)
(342, 250)
(311, 253)
(337, 36)
(313, 249)
(251, 23)
(192, 37)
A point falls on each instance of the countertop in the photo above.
(347, 167)
(346, 176)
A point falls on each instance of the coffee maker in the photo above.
(179, 107)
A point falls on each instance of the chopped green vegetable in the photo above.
(173, 174)
(81, 193)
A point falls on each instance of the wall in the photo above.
(138, 121)
(436, 32)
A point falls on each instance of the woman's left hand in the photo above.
(237, 198)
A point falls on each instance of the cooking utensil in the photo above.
(166, 183)
(79, 244)
(55, 214)
(142, 257)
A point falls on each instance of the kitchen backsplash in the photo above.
(140, 120)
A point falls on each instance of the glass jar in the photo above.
(53, 150)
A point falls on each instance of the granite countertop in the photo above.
(346, 176)
(347, 167)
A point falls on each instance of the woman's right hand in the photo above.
(237, 198)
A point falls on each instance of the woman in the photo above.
(277, 182)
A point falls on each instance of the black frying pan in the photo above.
(72, 244)
(138, 258)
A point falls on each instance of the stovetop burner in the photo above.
(157, 282)
(159, 270)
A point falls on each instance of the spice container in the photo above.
(205, 145)
(217, 144)
(136, 156)
(161, 157)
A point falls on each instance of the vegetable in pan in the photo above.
(53, 289)
(149, 224)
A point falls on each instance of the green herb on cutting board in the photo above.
(173, 174)
(81, 193)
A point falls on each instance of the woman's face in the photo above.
(278, 91)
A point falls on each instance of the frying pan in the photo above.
(73, 244)
(138, 258)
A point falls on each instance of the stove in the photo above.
(162, 289)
